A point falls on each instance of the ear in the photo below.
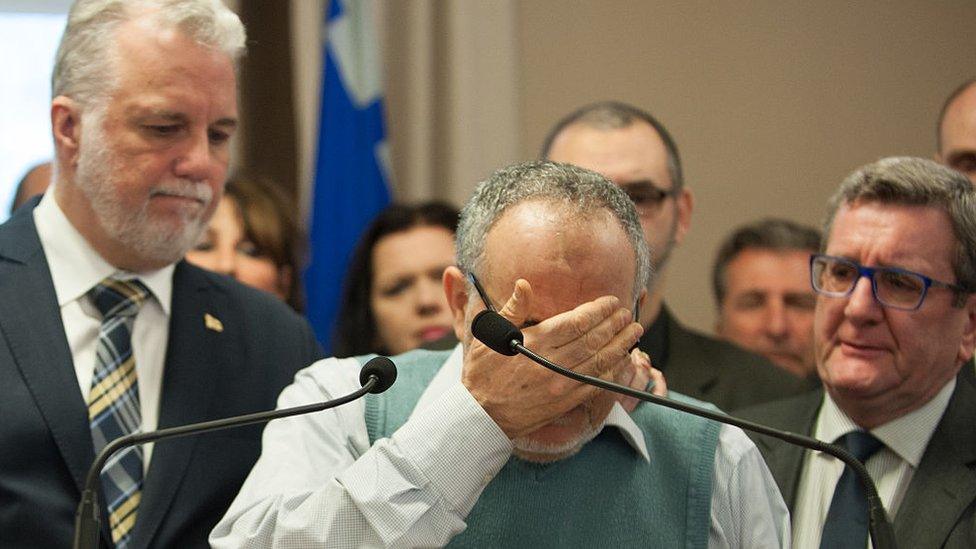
(686, 204)
(66, 128)
(456, 289)
(968, 344)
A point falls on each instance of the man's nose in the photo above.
(861, 303)
(197, 161)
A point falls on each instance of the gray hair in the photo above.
(83, 64)
(614, 115)
(917, 182)
(767, 234)
(582, 191)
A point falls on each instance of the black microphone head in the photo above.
(382, 369)
(496, 331)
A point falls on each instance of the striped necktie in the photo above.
(113, 403)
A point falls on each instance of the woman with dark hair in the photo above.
(393, 300)
(253, 237)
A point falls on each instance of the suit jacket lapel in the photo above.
(30, 320)
(789, 457)
(196, 358)
(945, 481)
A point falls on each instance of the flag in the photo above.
(351, 171)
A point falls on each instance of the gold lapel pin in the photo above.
(213, 323)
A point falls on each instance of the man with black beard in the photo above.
(636, 152)
(104, 330)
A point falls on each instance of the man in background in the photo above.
(761, 281)
(104, 330)
(956, 134)
(635, 151)
(895, 321)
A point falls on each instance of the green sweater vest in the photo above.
(606, 495)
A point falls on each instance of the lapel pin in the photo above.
(213, 323)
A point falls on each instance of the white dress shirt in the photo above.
(75, 269)
(319, 483)
(891, 468)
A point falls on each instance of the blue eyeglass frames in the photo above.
(892, 286)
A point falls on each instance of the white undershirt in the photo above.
(75, 268)
(891, 469)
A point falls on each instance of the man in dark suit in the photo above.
(635, 151)
(104, 331)
(895, 322)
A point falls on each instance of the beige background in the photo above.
(772, 103)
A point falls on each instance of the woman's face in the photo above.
(407, 296)
(224, 248)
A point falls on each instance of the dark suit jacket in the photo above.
(938, 509)
(716, 371)
(45, 441)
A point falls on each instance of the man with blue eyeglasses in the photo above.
(895, 322)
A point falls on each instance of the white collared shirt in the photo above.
(891, 468)
(320, 483)
(75, 269)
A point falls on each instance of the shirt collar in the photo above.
(450, 374)
(76, 267)
(906, 436)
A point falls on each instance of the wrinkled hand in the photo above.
(637, 375)
(521, 396)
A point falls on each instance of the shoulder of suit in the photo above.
(783, 413)
(248, 298)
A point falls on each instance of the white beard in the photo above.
(562, 450)
(142, 235)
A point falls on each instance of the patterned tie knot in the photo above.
(115, 298)
(861, 443)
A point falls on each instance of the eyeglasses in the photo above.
(892, 287)
(648, 198)
(481, 293)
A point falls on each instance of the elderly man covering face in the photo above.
(474, 449)
(895, 323)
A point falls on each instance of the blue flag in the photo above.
(351, 169)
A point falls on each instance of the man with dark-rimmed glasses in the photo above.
(895, 322)
(636, 152)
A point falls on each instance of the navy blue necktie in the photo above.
(847, 520)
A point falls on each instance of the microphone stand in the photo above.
(87, 518)
(882, 534)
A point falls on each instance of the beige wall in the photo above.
(772, 103)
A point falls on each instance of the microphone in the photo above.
(500, 335)
(376, 376)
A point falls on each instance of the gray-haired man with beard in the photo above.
(104, 331)
(636, 152)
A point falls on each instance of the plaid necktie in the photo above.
(847, 519)
(113, 404)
